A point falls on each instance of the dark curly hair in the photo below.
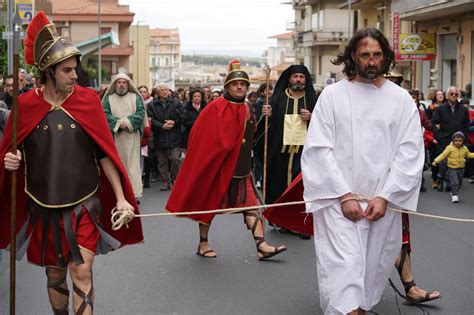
(345, 57)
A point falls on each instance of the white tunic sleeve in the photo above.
(323, 179)
(403, 181)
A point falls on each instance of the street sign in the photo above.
(25, 9)
(9, 35)
(413, 57)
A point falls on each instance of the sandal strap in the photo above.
(258, 240)
(61, 311)
(202, 239)
(255, 223)
(56, 284)
(207, 252)
(408, 285)
(86, 299)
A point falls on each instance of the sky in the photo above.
(220, 26)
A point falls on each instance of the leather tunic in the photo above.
(61, 166)
(244, 163)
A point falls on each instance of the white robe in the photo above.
(366, 140)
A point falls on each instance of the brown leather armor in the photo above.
(61, 167)
(244, 163)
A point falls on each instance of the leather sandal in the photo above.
(410, 284)
(259, 240)
(207, 252)
(262, 255)
(412, 301)
(87, 299)
(56, 286)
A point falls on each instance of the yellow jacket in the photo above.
(456, 156)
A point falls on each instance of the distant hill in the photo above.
(214, 60)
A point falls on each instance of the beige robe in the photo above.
(127, 142)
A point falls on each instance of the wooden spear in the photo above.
(14, 112)
(265, 143)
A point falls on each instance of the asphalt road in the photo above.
(164, 276)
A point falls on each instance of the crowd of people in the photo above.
(207, 146)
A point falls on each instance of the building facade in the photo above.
(165, 55)
(452, 23)
(78, 21)
(140, 61)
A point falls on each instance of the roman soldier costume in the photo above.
(217, 170)
(64, 199)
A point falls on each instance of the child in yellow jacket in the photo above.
(456, 153)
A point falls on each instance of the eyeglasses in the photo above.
(454, 94)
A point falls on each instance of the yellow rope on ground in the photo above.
(121, 218)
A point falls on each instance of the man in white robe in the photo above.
(364, 139)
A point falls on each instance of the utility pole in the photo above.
(349, 27)
(10, 9)
(100, 51)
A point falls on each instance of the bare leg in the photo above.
(57, 290)
(203, 247)
(81, 276)
(357, 312)
(406, 276)
(255, 224)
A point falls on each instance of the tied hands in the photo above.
(305, 114)
(352, 210)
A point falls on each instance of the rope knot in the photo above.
(121, 217)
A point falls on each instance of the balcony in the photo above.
(419, 10)
(323, 37)
(362, 4)
(295, 26)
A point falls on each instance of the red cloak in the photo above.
(213, 150)
(85, 107)
(292, 218)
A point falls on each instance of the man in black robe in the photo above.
(291, 104)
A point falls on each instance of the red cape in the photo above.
(213, 150)
(294, 217)
(85, 107)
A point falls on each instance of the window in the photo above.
(105, 30)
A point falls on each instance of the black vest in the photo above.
(61, 167)
(244, 163)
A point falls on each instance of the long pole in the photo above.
(9, 28)
(100, 50)
(265, 143)
(16, 50)
(349, 26)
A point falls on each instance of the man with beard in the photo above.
(289, 112)
(363, 152)
(69, 174)
(126, 116)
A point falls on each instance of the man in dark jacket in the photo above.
(448, 119)
(6, 96)
(166, 126)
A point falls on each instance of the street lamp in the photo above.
(138, 52)
(100, 49)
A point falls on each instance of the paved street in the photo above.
(164, 276)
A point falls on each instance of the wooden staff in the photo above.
(265, 142)
(14, 112)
